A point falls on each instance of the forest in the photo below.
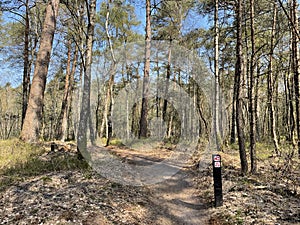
(181, 79)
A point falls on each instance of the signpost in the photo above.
(217, 174)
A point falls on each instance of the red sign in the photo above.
(217, 158)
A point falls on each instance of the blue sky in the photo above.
(14, 74)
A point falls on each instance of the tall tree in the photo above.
(237, 88)
(271, 83)
(26, 70)
(167, 23)
(116, 20)
(216, 119)
(252, 109)
(33, 118)
(85, 113)
(111, 80)
(62, 122)
(144, 111)
(296, 66)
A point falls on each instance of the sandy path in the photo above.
(176, 197)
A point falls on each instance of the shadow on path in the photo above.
(176, 197)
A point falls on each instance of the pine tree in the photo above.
(33, 118)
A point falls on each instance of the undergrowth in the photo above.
(19, 161)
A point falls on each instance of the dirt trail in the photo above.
(176, 197)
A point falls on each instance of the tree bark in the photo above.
(85, 113)
(238, 81)
(256, 100)
(143, 131)
(296, 67)
(270, 85)
(233, 117)
(111, 80)
(165, 102)
(33, 118)
(216, 119)
(62, 123)
(26, 71)
(252, 109)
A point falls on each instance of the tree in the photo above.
(296, 65)
(108, 102)
(33, 118)
(270, 84)
(237, 88)
(168, 19)
(62, 123)
(26, 70)
(85, 113)
(116, 20)
(144, 111)
(216, 118)
(252, 109)
(167, 22)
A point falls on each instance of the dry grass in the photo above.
(14, 152)
(19, 161)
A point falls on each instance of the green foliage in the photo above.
(168, 19)
(13, 34)
(121, 23)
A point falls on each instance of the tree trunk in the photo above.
(60, 125)
(216, 120)
(238, 81)
(296, 67)
(26, 71)
(270, 85)
(85, 113)
(165, 102)
(33, 118)
(144, 111)
(252, 111)
(291, 110)
(233, 117)
(256, 99)
(62, 122)
(109, 92)
(66, 119)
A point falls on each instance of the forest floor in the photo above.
(54, 187)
